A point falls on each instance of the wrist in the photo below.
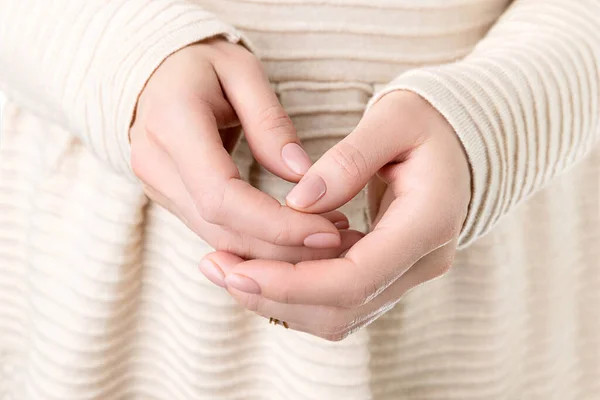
(419, 119)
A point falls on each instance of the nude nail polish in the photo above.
(242, 283)
(212, 272)
(296, 159)
(322, 241)
(306, 193)
(342, 224)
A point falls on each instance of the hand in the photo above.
(188, 119)
(416, 153)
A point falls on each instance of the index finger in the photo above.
(400, 239)
(221, 197)
(268, 129)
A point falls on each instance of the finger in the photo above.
(268, 129)
(336, 323)
(188, 133)
(325, 322)
(242, 248)
(338, 219)
(305, 318)
(233, 243)
(349, 238)
(348, 166)
(247, 247)
(409, 230)
(221, 198)
(329, 323)
(251, 248)
(163, 185)
(162, 182)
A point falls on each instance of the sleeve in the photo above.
(83, 63)
(524, 103)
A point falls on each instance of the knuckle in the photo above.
(282, 233)
(275, 120)
(350, 162)
(210, 205)
(204, 103)
(244, 246)
(281, 236)
(285, 293)
(232, 242)
(286, 298)
(252, 303)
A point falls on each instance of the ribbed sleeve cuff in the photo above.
(456, 101)
(130, 54)
(524, 103)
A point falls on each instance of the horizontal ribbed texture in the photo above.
(100, 297)
(543, 62)
(83, 64)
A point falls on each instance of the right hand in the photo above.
(187, 119)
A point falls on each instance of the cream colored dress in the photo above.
(100, 297)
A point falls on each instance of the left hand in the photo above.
(404, 141)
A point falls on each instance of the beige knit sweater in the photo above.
(100, 297)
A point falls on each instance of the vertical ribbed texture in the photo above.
(83, 63)
(100, 297)
(525, 103)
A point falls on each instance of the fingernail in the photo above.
(342, 224)
(212, 272)
(296, 158)
(242, 283)
(307, 192)
(322, 241)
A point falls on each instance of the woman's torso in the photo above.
(103, 299)
(326, 58)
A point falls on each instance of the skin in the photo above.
(409, 146)
(187, 120)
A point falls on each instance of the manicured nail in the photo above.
(307, 192)
(212, 272)
(323, 241)
(242, 283)
(342, 224)
(296, 158)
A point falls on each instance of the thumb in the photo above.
(267, 127)
(380, 138)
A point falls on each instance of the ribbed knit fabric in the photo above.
(83, 64)
(540, 61)
(100, 297)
